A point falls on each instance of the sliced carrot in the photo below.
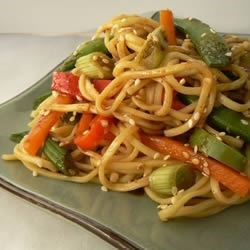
(228, 177)
(84, 123)
(40, 131)
(99, 128)
(100, 84)
(167, 22)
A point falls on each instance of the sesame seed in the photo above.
(131, 121)
(196, 116)
(104, 189)
(206, 171)
(205, 110)
(213, 31)
(165, 165)
(95, 58)
(222, 134)
(185, 154)
(195, 149)
(163, 206)
(203, 34)
(54, 139)
(174, 190)
(123, 20)
(106, 68)
(106, 61)
(79, 98)
(180, 191)
(166, 157)
(104, 123)
(54, 93)
(190, 123)
(173, 200)
(34, 173)
(186, 145)
(190, 18)
(156, 156)
(244, 122)
(182, 81)
(135, 32)
(195, 161)
(72, 118)
(137, 82)
(218, 138)
(85, 132)
(45, 112)
(155, 38)
(237, 137)
(228, 54)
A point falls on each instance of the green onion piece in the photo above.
(57, 155)
(96, 66)
(17, 137)
(40, 99)
(167, 180)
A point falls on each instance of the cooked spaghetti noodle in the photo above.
(140, 100)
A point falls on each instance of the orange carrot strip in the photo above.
(40, 131)
(167, 22)
(228, 177)
(84, 123)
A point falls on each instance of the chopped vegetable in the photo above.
(230, 178)
(57, 155)
(95, 66)
(84, 123)
(153, 50)
(208, 43)
(40, 99)
(100, 84)
(211, 146)
(84, 49)
(98, 129)
(17, 137)
(225, 119)
(168, 180)
(167, 22)
(40, 130)
(177, 104)
(66, 83)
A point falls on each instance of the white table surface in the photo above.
(24, 226)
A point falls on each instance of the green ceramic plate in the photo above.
(125, 220)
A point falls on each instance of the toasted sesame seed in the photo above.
(54, 139)
(213, 31)
(190, 18)
(163, 206)
(103, 188)
(228, 54)
(218, 138)
(131, 121)
(85, 132)
(166, 157)
(180, 191)
(190, 123)
(203, 34)
(34, 173)
(206, 171)
(105, 60)
(55, 93)
(156, 156)
(104, 123)
(135, 32)
(72, 118)
(186, 145)
(79, 98)
(182, 81)
(174, 190)
(195, 149)
(155, 38)
(222, 134)
(165, 165)
(196, 116)
(45, 112)
(237, 137)
(95, 58)
(106, 68)
(244, 122)
(185, 154)
(137, 82)
(195, 161)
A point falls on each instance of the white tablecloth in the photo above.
(24, 226)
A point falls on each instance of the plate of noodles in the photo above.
(142, 135)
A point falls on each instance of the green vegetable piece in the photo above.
(17, 137)
(82, 50)
(40, 99)
(224, 119)
(96, 66)
(232, 122)
(57, 155)
(208, 43)
(153, 50)
(170, 179)
(211, 146)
